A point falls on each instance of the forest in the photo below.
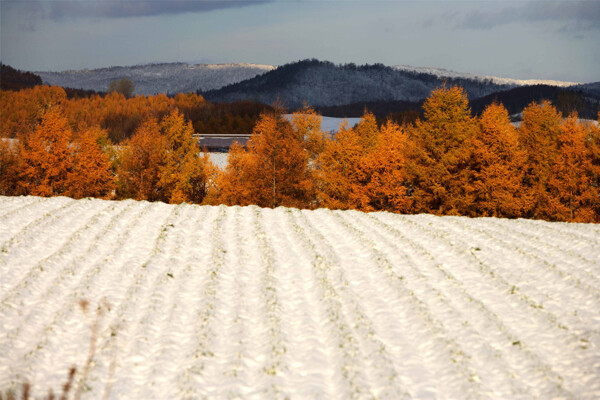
(443, 161)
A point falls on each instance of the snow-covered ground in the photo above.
(229, 302)
(218, 159)
(331, 124)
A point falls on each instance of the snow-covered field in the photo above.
(234, 302)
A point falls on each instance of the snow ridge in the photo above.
(149, 79)
(445, 73)
(244, 302)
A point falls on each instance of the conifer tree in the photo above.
(570, 184)
(142, 160)
(500, 161)
(273, 171)
(307, 124)
(47, 157)
(232, 188)
(90, 175)
(593, 147)
(185, 175)
(10, 168)
(341, 179)
(538, 136)
(441, 160)
(384, 179)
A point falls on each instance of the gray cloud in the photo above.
(576, 15)
(60, 9)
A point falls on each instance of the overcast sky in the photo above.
(521, 39)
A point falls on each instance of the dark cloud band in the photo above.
(584, 15)
(58, 9)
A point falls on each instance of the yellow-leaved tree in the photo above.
(571, 192)
(340, 179)
(186, 175)
(47, 158)
(442, 157)
(498, 187)
(383, 179)
(272, 171)
(90, 174)
(141, 163)
(538, 136)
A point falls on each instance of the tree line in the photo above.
(448, 162)
(120, 115)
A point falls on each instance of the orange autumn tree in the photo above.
(538, 136)
(46, 156)
(571, 193)
(593, 146)
(340, 178)
(307, 124)
(498, 187)
(384, 179)
(441, 159)
(231, 187)
(273, 171)
(90, 174)
(10, 167)
(185, 176)
(22, 111)
(141, 163)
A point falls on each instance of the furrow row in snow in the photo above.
(182, 301)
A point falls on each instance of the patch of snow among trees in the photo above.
(244, 302)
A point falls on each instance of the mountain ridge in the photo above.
(167, 78)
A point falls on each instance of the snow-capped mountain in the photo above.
(445, 73)
(318, 83)
(321, 83)
(158, 78)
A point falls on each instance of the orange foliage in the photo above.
(10, 167)
(21, 111)
(499, 177)
(384, 180)
(538, 135)
(447, 163)
(90, 174)
(185, 176)
(46, 156)
(339, 171)
(571, 194)
(118, 115)
(273, 171)
(231, 186)
(141, 163)
(441, 159)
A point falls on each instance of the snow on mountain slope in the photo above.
(445, 73)
(231, 302)
(158, 78)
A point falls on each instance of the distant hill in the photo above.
(321, 83)
(13, 79)
(445, 73)
(168, 78)
(566, 100)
